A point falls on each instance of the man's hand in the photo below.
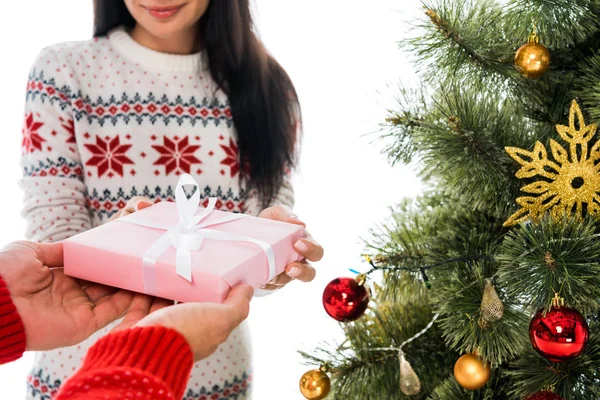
(56, 310)
(204, 325)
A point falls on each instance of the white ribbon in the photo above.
(187, 236)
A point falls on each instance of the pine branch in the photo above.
(460, 142)
(431, 230)
(588, 86)
(464, 154)
(458, 299)
(400, 126)
(548, 257)
(454, 42)
(561, 23)
(403, 238)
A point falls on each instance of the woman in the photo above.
(166, 87)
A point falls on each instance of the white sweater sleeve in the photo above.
(53, 180)
(284, 196)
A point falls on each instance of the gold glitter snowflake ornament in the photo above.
(568, 184)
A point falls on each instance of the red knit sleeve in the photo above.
(150, 363)
(12, 331)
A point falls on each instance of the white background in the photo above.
(343, 57)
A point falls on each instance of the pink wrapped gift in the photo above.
(183, 252)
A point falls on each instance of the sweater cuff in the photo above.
(12, 330)
(156, 350)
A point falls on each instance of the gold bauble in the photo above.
(471, 373)
(315, 385)
(532, 59)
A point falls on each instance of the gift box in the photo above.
(183, 252)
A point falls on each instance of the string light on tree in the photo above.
(559, 335)
(410, 384)
(532, 59)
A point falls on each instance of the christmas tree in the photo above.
(488, 285)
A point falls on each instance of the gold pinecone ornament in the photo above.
(492, 308)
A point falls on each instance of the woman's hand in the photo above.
(56, 310)
(134, 204)
(203, 325)
(306, 247)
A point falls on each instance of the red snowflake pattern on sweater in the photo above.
(177, 155)
(108, 155)
(232, 158)
(31, 138)
(70, 128)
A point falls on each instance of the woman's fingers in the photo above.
(134, 204)
(301, 270)
(309, 248)
(281, 213)
(143, 204)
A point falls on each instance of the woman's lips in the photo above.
(163, 12)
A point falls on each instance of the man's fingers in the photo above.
(239, 294)
(96, 291)
(111, 307)
(138, 309)
(158, 303)
(239, 300)
(83, 283)
(51, 254)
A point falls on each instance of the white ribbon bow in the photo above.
(187, 236)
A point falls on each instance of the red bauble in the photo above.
(545, 395)
(559, 336)
(345, 299)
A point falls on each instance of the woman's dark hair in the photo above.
(263, 101)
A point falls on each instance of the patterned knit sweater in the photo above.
(106, 120)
